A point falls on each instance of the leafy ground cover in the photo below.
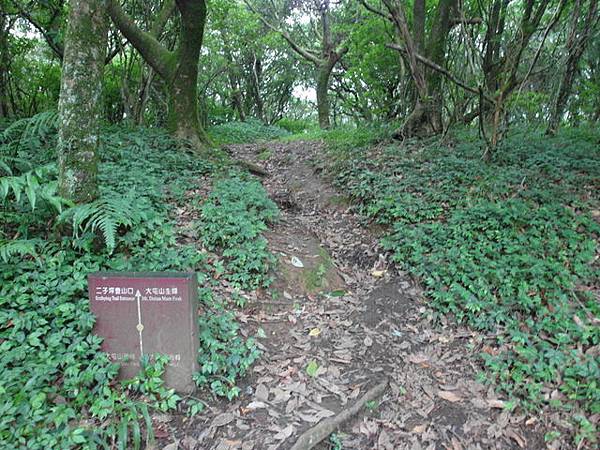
(509, 247)
(57, 389)
(252, 130)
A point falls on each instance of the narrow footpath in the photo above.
(339, 320)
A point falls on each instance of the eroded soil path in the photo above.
(354, 320)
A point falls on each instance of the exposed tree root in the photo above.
(253, 168)
(311, 437)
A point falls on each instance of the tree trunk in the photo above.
(323, 60)
(256, 82)
(4, 65)
(437, 53)
(178, 69)
(323, 74)
(183, 119)
(79, 106)
(419, 25)
(576, 45)
(420, 122)
(564, 91)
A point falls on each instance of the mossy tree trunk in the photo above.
(79, 106)
(179, 68)
(184, 121)
(4, 64)
(323, 76)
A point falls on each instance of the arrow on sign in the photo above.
(140, 326)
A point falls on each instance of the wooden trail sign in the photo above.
(144, 314)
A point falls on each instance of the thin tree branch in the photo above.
(464, 21)
(54, 46)
(553, 22)
(163, 16)
(445, 72)
(305, 53)
(376, 11)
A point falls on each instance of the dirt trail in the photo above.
(355, 320)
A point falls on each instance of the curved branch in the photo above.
(305, 53)
(376, 11)
(445, 72)
(153, 51)
(55, 46)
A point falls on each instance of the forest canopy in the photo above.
(425, 65)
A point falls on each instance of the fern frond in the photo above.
(19, 247)
(35, 127)
(40, 125)
(10, 165)
(37, 183)
(4, 166)
(106, 215)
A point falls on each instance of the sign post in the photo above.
(147, 313)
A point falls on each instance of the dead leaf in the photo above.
(368, 427)
(384, 442)
(456, 444)
(419, 429)
(296, 262)
(222, 419)
(161, 431)
(354, 393)
(449, 396)
(521, 442)
(418, 358)
(262, 393)
(256, 405)
(490, 350)
(495, 403)
(189, 442)
(378, 273)
(314, 332)
(292, 405)
(285, 433)
(248, 445)
(280, 395)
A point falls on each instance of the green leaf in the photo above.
(311, 368)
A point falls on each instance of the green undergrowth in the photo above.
(249, 131)
(344, 140)
(508, 247)
(232, 221)
(57, 389)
